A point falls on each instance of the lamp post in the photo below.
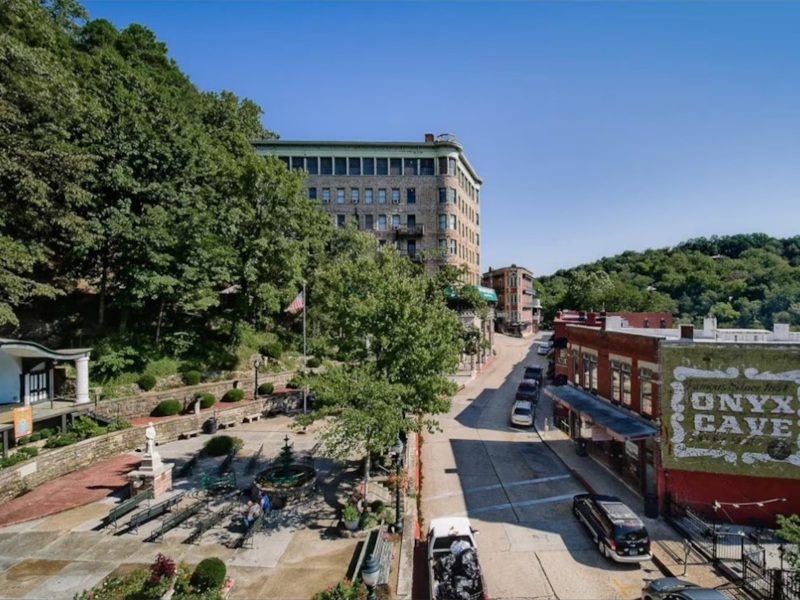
(369, 575)
(256, 364)
(397, 450)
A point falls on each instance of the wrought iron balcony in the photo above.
(409, 232)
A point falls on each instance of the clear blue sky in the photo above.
(597, 127)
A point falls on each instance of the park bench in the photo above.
(204, 525)
(251, 418)
(216, 484)
(127, 506)
(250, 532)
(151, 512)
(228, 423)
(190, 434)
(175, 519)
(253, 462)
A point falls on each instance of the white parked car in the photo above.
(522, 413)
(544, 347)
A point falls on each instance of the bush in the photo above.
(60, 440)
(273, 350)
(343, 590)
(314, 362)
(118, 426)
(377, 506)
(266, 388)
(209, 574)
(222, 445)
(206, 399)
(167, 408)
(295, 383)
(83, 428)
(147, 382)
(234, 395)
(192, 377)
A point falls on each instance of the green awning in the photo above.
(486, 293)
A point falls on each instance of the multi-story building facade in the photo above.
(705, 418)
(518, 307)
(423, 197)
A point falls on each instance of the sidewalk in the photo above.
(667, 544)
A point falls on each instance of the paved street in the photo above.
(517, 493)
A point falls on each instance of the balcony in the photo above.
(415, 231)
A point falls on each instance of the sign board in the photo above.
(731, 408)
(23, 421)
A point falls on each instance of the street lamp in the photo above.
(256, 364)
(397, 450)
(369, 575)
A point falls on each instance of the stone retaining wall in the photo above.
(53, 463)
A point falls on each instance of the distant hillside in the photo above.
(745, 280)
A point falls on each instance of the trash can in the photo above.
(581, 448)
(210, 426)
(651, 506)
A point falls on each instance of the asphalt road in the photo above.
(517, 493)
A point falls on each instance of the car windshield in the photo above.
(522, 411)
(527, 387)
(629, 532)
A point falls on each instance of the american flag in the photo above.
(297, 304)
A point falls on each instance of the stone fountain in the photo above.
(288, 478)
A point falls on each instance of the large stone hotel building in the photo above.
(423, 197)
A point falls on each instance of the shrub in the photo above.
(314, 362)
(368, 520)
(206, 399)
(118, 426)
(273, 350)
(147, 382)
(266, 388)
(209, 574)
(192, 377)
(221, 445)
(350, 513)
(234, 395)
(83, 428)
(60, 440)
(377, 506)
(161, 571)
(295, 383)
(343, 590)
(167, 408)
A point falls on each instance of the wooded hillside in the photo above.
(745, 280)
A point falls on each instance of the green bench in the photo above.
(175, 519)
(218, 483)
(247, 536)
(127, 506)
(151, 512)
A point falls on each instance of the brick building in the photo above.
(707, 418)
(518, 307)
(423, 197)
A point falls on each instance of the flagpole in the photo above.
(305, 388)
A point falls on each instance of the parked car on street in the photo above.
(618, 531)
(672, 588)
(534, 372)
(543, 348)
(522, 413)
(528, 389)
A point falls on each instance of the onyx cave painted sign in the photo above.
(731, 409)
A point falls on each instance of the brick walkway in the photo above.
(79, 488)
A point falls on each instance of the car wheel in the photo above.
(602, 547)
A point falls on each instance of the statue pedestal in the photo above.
(152, 473)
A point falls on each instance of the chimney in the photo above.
(687, 332)
(428, 138)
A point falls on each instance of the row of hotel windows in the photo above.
(584, 374)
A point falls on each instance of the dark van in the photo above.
(534, 372)
(618, 532)
(528, 389)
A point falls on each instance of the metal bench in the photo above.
(247, 536)
(216, 484)
(176, 519)
(253, 462)
(156, 510)
(127, 506)
(204, 525)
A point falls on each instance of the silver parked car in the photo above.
(672, 588)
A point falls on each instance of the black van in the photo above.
(618, 532)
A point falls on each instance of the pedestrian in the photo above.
(252, 512)
(264, 501)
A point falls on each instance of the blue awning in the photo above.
(622, 424)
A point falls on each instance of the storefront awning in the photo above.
(622, 425)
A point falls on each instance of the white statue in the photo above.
(150, 434)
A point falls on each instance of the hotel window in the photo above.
(340, 165)
(442, 195)
(312, 165)
(340, 220)
(442, 222)
(451, 166)
(411, 196)
(395, 196)
(368, 222)
(354, 195)
(368, 196)
(326, 195)
(297, 163)
(354, 166)
(381, 166)
(453, 222)
(411, 221)
(368, 166)
(339, 195)
(326, 165)
(426, 166)
(381, 222)
(646, 389)
(412, 167)
(395, 222)
(453, 247)
(381, 196)
(452, 196)
(312, 193)
(395, 166)
(442, 247)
